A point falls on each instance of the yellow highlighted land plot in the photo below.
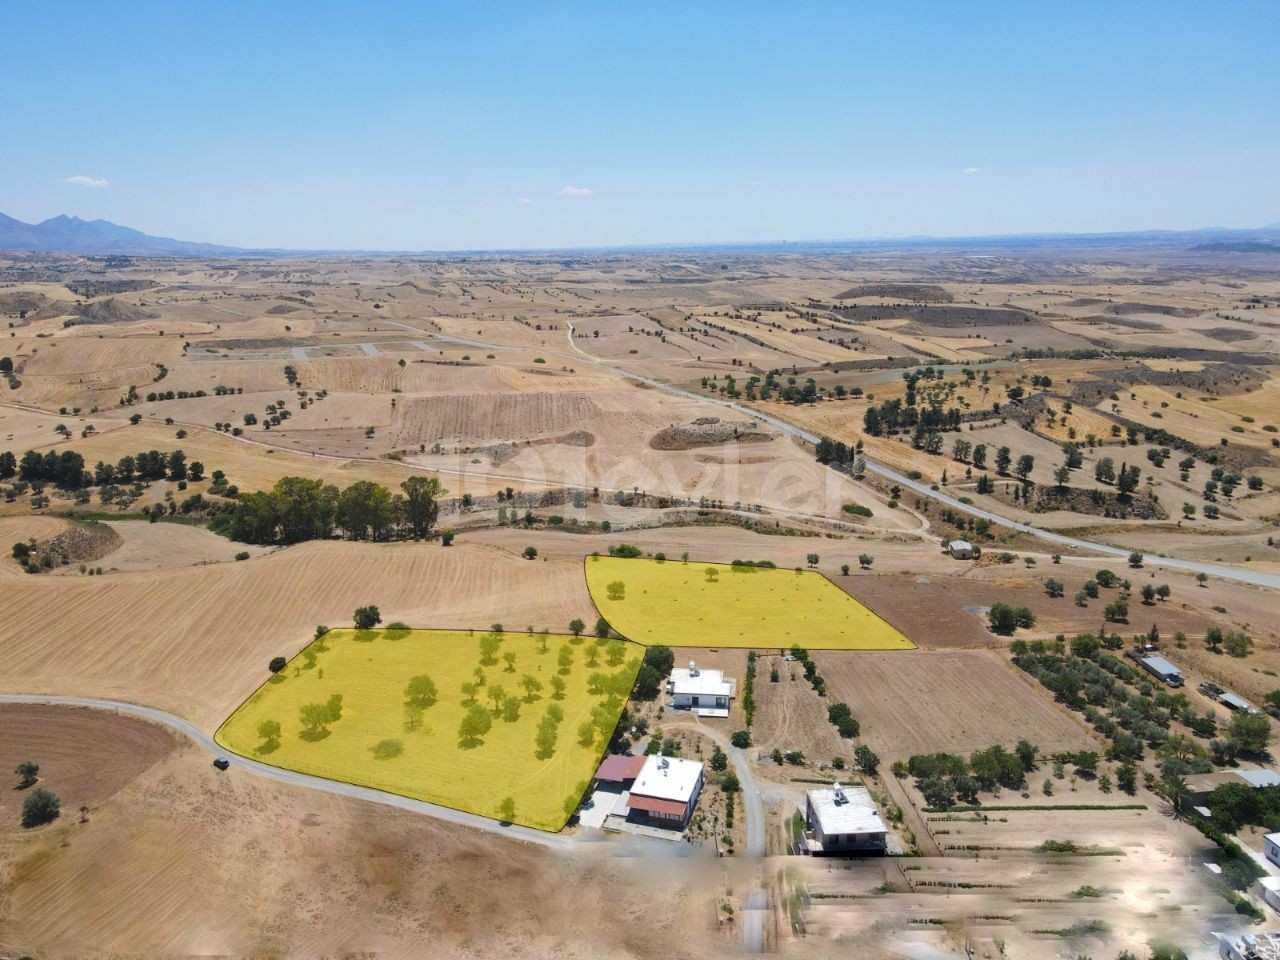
(693, 604)
(506, 725)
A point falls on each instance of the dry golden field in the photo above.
(195, 640)
(497, 373)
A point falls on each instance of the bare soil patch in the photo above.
(85, 756)
(932, 611)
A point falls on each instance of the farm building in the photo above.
(842, 820)
(665, 792)
(1233, 701)
(1201, 786)
(1271, 891)
(1271, 847)
(960, 549)
(704, 692)
(1162, 670)
(1263, 945)
(620, 768)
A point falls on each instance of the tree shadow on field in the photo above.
(269, 747)
(470, 743)
(313, 736)
(365, 636)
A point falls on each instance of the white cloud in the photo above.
(524, 200)
(576, 192)
(82, 181)
(969, 171)
(757, 183)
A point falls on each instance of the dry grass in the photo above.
(196, 640)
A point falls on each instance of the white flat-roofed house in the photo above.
(960, 549)
(1271, 892)
(843, 820)
(704, 692)
(1271, 847)
(665, 792)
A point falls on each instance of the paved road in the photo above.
(200, 738)
(752, 799)
(1255, 577)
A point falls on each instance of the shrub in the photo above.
(242, 555)
(40, 806)
(741, 739)
(277, 664)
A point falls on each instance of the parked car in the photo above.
(222, 763)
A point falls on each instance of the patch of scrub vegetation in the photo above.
(696, 604)
(469, 719)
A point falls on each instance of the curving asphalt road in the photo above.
(200, 738)
(1255, 577)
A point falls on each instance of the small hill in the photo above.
(112, 310)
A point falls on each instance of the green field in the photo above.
(698, 604)
(384, 738)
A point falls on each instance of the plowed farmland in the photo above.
(956, 701)
(196, 640)
(85, 756)
(486, 418)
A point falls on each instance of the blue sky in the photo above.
(491, 125)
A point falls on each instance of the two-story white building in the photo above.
(706, 693)
(665, 792)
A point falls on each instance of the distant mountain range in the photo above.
(64, 234)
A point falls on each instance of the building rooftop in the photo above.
(1234, 701)
(619, 767)
(1161, 665)
(845, 810)
(667, 778)
(1264, 945)
(705, 683)
(1260, 778)
(1206, 782)
(959, 545)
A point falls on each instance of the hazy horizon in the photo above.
(319, 128)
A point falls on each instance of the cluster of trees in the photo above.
(942, 778)
(1126, 480)
(66, 469)
(1005, 618)
(843, 719)
(1121, 703)
(298, 509)
(894, 416)
(838, 452)
(658, 662)
(316, 718)
(1236, 805)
